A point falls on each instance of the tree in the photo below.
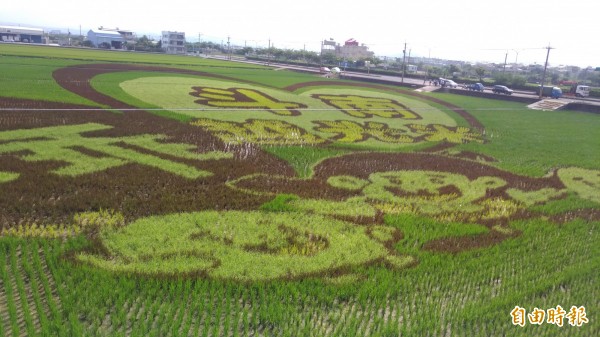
(480, 73)
(329, 58)
(594, 78)
(452, 69)
(244, 51)
(467, 70)
(437, 71)
(510, 80)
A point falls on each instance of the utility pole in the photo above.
(403, 62)
(199, 43)
(269, 53)
(505, 57)
(545, 67)
(228, 49)
(304, 53)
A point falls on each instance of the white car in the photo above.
(449, 84)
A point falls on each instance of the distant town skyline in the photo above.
(467, 30)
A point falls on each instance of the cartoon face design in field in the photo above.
(244, 246)
(441, 195)
(585, 183)
(426, 192)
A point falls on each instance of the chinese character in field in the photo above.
(556, 315)
(518, 316)
(259, 131)
(241, 98)
(350, 132)
(84, 155)
(366, 107)
(577, 316)
(536, 316)
(441, 133)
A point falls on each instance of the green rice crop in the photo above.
(8, 176)
(303, 158)
(31, 78)
(293, 267)
(529, 141)
(246, 246)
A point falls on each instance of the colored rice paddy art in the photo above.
(277, 218)
(244, 246)
(241, 113)
(93, 154)
(237, 200)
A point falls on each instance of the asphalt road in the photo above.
(390, 79)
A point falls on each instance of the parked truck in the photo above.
(579, 90)
(547, 91)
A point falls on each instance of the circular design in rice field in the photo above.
(243, 246)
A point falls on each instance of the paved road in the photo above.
(417, 83)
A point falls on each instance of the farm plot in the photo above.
(203, 204)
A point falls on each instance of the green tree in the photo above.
(452, 69)
(437, 71)
(480, 73)
(329, 58)
(244, 51)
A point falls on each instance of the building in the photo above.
(128, 35)
(328, 46)
(351, 50)
(108, 38)
(173, 42)
(21, 34)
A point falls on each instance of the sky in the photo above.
(517, 31)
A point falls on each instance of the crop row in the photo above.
(469, 296)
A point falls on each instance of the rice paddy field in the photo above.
(157, 195)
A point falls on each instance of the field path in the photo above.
(77, 79)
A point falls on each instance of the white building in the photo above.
(108, 38)
(173, 42)
(21, 34)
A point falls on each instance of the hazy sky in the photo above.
(457, 29)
